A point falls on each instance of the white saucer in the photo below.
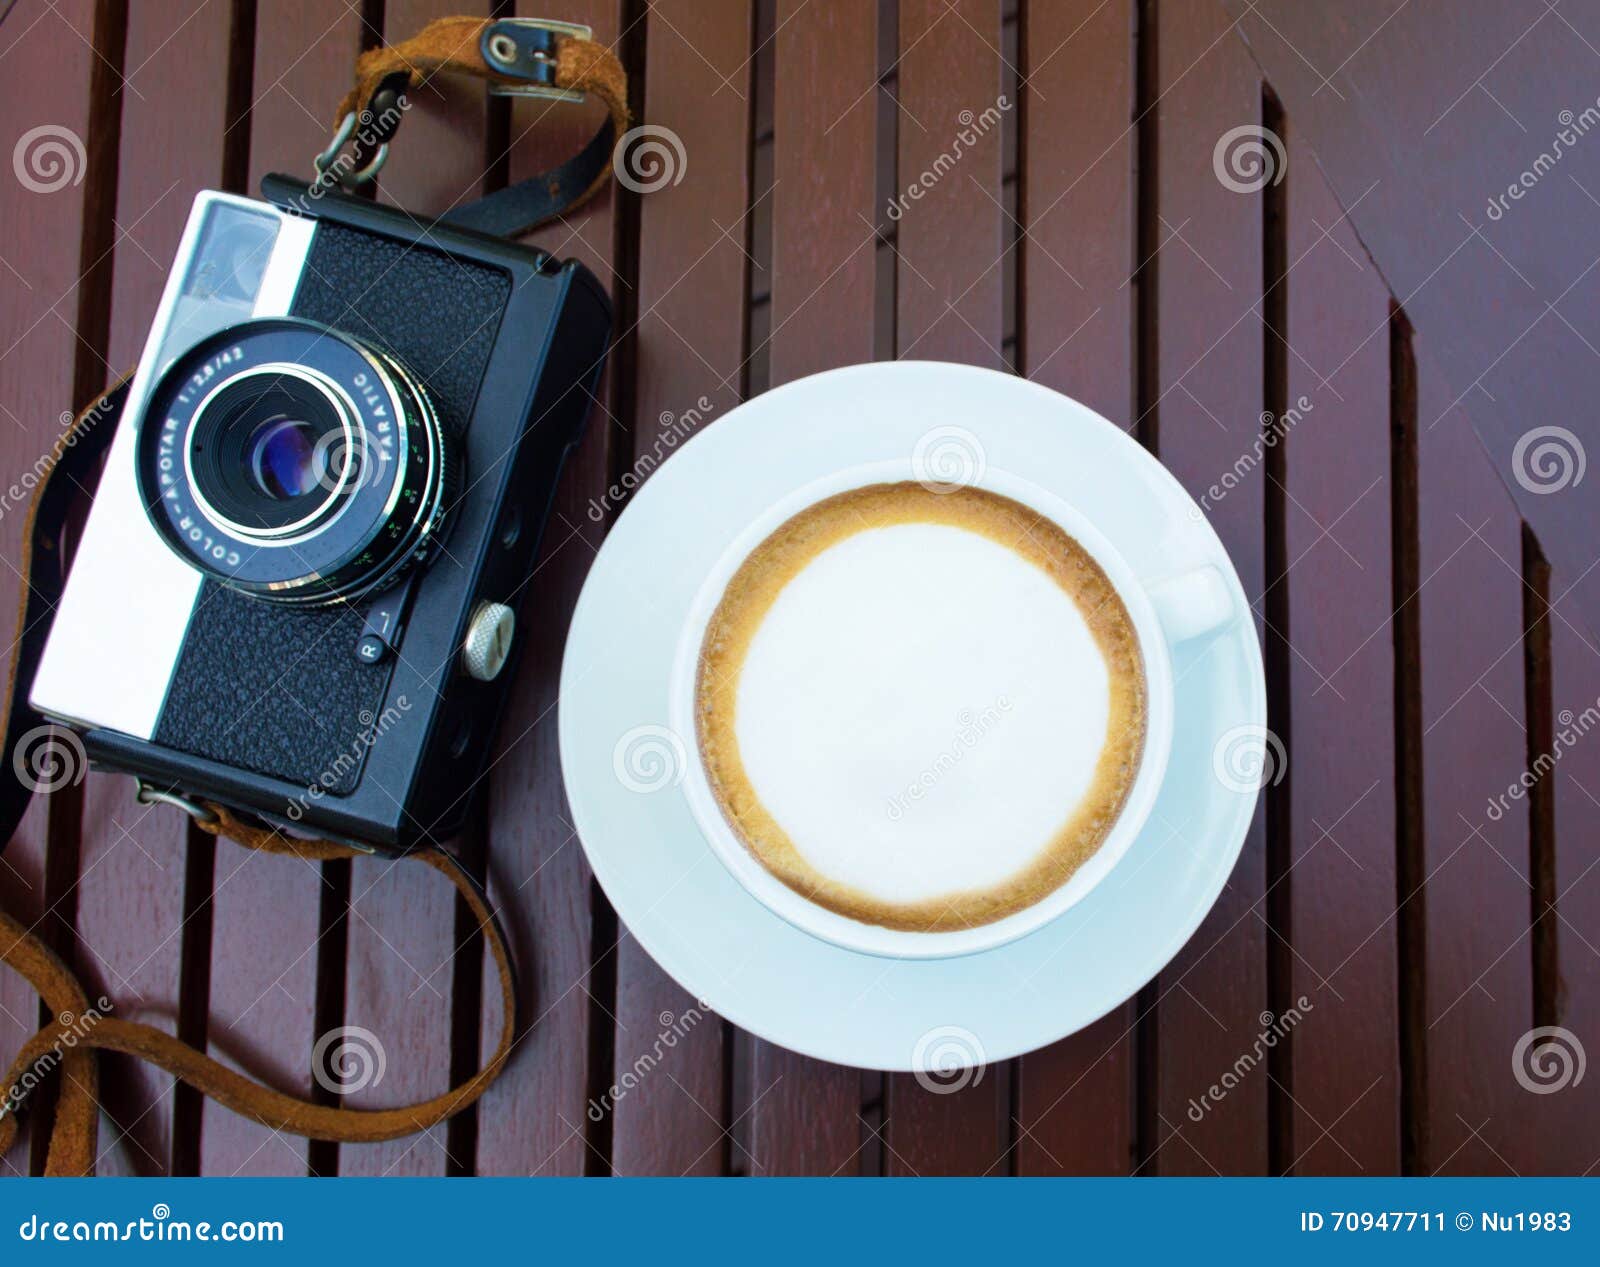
(624, 767)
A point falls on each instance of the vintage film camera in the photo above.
(296, 590)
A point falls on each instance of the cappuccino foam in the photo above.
(921, 709)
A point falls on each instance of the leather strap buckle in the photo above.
(524, 49)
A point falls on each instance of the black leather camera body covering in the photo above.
(269, 708)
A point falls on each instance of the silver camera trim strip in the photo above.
(116, 637)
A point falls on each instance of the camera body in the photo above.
(296, 588)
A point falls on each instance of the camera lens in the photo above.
(283, 458)
(262, 449)
(294, 462)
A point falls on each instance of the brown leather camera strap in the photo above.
(513, 56)
(67, 1042)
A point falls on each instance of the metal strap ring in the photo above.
(147, 795)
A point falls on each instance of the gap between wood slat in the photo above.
(333, 944)
(1146, 394)
(241, 89)
(194, 991)
(1409, 862)
(602, 1027)
(753, 190)
(371, 24)
(1015, 191)
(1275, 388)
(466, 997)
(1541, 719)
(886, 167)
(89, 370)
(604, 930)
(497, 124)
(1147, 238)
(1011, 87)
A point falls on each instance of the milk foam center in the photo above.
(921, 711)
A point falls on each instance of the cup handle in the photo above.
(1189, 604)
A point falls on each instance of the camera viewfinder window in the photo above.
(225, 276)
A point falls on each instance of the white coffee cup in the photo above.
(1162, 610)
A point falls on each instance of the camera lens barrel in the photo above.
(294, 462)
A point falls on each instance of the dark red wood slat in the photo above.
(1075, 1099)
(1208, 286)
(949, 252)
(952, 238)
(1569, 1112)
(49, 61)
(824, 125)
(534, 1120)
(131, 895)
(1477, 967)
(402, 933)
(690, 341)
(264, 956)
(304, 60)
(804, 1114)
(1344, 1068)
(398, 1002)
(1077, 189)
(266, 910)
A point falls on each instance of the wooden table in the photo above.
(1419, 653)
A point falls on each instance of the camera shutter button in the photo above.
(488, 641)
